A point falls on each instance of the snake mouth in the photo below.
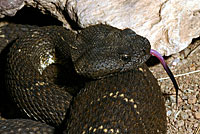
(123, 67)
(135, 63)
(105, 67)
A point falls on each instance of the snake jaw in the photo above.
(139, 61)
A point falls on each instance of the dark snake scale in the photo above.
(89, 82)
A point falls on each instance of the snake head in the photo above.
(103, 50)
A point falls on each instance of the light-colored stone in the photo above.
(197, 115)
(192, 100)
(196, 124)
(169, 113)
(180, 123)
(10, 7)
(184, 116)
(170, 25)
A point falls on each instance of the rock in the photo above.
(169, 113)
(170, 25)
(180, 123)
(192, 100)
(189, 130)
(196, 124)
(55, 7)
(184, 115)
(10, 7)
(185, 97)
(197, 115)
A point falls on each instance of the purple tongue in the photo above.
(159, 56)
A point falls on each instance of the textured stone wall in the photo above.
(170, 25)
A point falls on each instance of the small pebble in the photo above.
(189, 130)
(196, 124)
(192, 67)
(175, 61)
(173, 99)
(180, 123)
(184, 115)
(169, 113)
(195, 108)
(180, 100)
(197, 115)
(184, 61)
(184, 97)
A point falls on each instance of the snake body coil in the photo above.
(48, 66)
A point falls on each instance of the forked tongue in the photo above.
(164, 64)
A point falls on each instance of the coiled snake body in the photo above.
(93, 81)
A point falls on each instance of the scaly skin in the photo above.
(116, 106)
(48, 66)
(24, 126)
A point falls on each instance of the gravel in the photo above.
(184, 118)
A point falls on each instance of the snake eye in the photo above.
(126, 57)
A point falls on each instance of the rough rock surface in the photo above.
(183, 119)
(170, 25)
(53, 7)
(10, 7)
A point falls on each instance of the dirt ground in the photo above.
(184, 119)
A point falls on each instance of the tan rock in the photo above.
(197, 115)
(192, 100)
(170, 25)
(10, 7)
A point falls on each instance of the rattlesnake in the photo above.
(92, 81)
